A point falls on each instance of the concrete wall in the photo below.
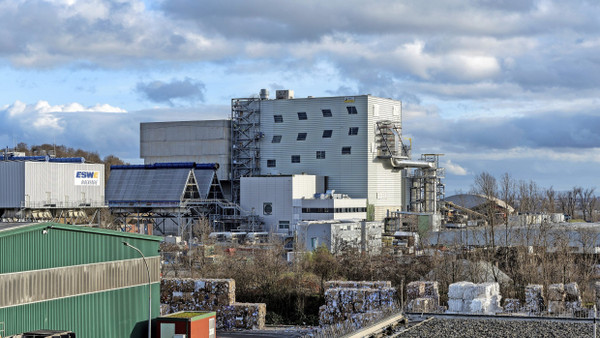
(187, 141)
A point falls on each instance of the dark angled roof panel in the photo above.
(146, 185)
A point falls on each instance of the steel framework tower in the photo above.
(245, 137)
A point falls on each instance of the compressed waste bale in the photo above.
(422, 305)
(534, 299)
(353, 301)
(357, 284)
(512, 305)
(572, 292)
(556, 292)
(455, 305)
(573, 306)
(415, 290)
(480, 305)
(432, 291)
(211, 295)
(556, 307)
(457, 290)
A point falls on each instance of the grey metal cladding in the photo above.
(42, 285)
(204, 179)
(152, 185)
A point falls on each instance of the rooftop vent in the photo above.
(284, 94)
(264, 94)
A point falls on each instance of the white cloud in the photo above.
(454, 168)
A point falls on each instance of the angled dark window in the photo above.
(352, 110)
(353, 131)
(276, 139)
(326, 112)
(346, 150)
(327, 133)
(301, 137)
(271, 163)
(295, 158)
(278, 118)
(320, 154)
(302, 116)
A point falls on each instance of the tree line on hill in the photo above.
(64, 151)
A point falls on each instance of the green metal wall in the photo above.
(118, 313)
(115, 313)
(28, 248)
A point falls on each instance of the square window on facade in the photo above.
(295, 158)
(352, 110)
(302, 116)
(320, 154)
(346, 150)
(278, 118)
(276, 139)
(271, 163)
(326, 112)
(301, 137)
(327, 133)
(353, 131)
(284, 224)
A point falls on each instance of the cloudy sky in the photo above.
(495, 85)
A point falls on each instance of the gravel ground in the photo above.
(498, 328)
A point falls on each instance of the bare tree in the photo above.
(485, 184)
(587, 202)
(549, 203)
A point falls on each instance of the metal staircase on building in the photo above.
(245, 137)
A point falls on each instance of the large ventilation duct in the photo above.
(401, 163)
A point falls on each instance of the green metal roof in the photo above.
(188, 316)
(49, 245)
(15, 228)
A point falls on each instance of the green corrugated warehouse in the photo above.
(81, 279)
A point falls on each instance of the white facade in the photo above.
(339, 235)
(43, 184)
(187, 141)
(334, 137)
(284, 200)
(316, 209)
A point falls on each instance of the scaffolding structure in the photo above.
(187, 198)
(427, 188)
(245, 137)
(389, 140)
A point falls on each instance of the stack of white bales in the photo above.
(467, 297)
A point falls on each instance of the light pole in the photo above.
(149, 288)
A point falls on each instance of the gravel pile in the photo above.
(498, 328)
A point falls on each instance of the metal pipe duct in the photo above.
(401, 163)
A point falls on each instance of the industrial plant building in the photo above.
(169, 197)
(78, 279)
(284, 200)
(43, 188)
(354, 144)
